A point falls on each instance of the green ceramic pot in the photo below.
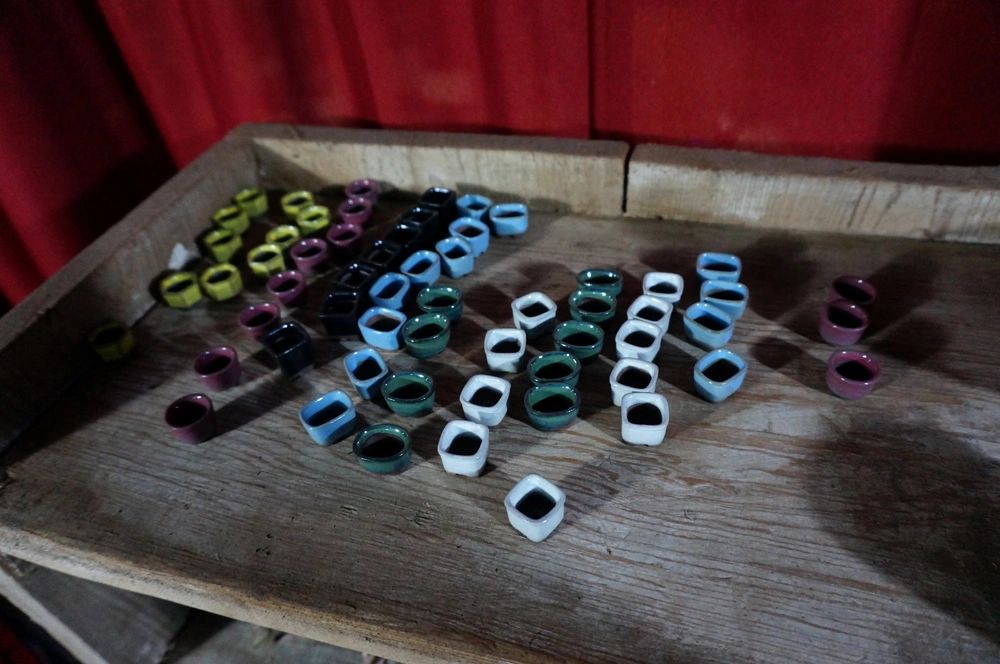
(582, 340)
(592, 306)
(602, 279)
(445, 300)
(383, 448)
(551, 406)
(426, 335)
(409, 393)
(554, 367)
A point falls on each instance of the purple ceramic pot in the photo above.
(852, 289)
(344, 240)
(218, 368)
(366, 189)
(310, 255)
(259, 319)
(191, 418)
(289, 287)
(842, 323)
(851, 374)
(355, 212)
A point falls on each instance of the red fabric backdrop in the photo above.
(100, 103)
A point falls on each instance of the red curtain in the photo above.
(100, 103)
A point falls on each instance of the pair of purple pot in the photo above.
(843, 321)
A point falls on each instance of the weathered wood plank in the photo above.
(97, 624)
(587, 177)
(769, 192)
(782, 525)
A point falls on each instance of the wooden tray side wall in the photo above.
(716, 186)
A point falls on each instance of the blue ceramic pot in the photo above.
(329, 418)
(719, 267)
(422, 268)
(457, 256)
(707, 325)
(509, 219)
(730, 296)
(472, 230)
(366, 370)
(390, 290)
(473, 205)
(719, 374)
(380, 327)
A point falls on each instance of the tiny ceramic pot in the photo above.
(221, 282)
(355, 212)
(344, 240)
(232, 218)
(313, 219)
(291, 347)
(652, 310)
(535, 507)
(582, 340)
(294, 202)
(409, 237)
(383, 448)
(288, 287)
(474, 231)
(329, 418)
(473, 205)
(366, 370)
(842, 323)
(484, 399)
(340, 311)
(422, 268)
(221, 244)
(505, 348)
(218, 368)
(853, 289)
(284, 236)
(639, 340)
(714, 266)
(457, 257)
(442, 200)
(508, 219)
(390, 291)
(592, 306)
(112, 341)
(191, 418)
(730, 296)
(446, 300)
(551, 406)
(357, 277)
(851, 374)
(426, 335)
(668, 286)
(535, 313)
(409, 393)
(180, 290)
(259, 319)
(383, 256)
(631, 375)
(645, 416)
(464, 447)
(719, 374)
(265, 260)
(707, 325)
(605, 280)
(366, 189)
(427, 219)
(311, 256)
(380, 327)
(554, 367)
(252, 200)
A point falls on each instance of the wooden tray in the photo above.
(782, 525)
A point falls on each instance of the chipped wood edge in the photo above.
(813, 194)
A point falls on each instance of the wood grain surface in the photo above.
(586, 177)
(770, 192)
(781, 525)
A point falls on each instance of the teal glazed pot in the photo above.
(426, 335)
(409, 393)
(383, 448)
(554, 367)
(605, 280)
(446, 300)
(551, 406)
(592, 306)
(582, 340)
